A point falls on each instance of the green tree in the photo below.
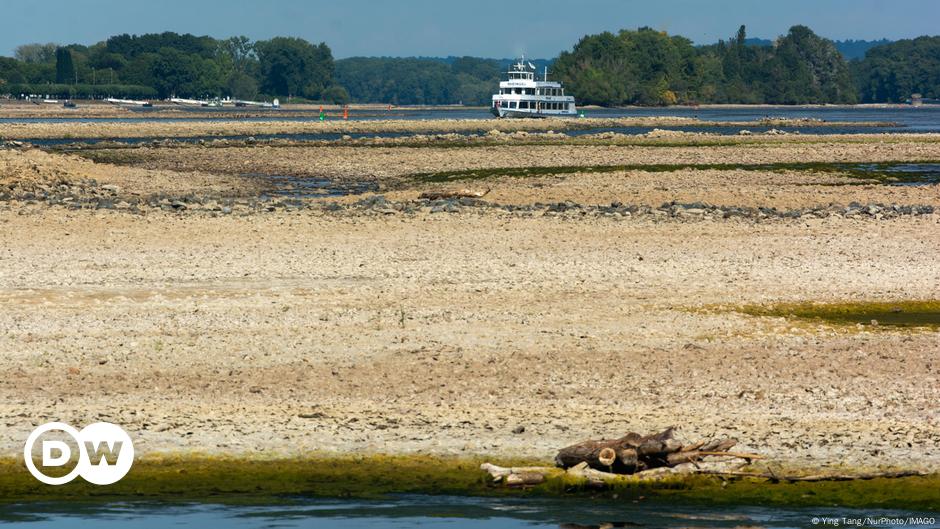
(240, 53)
(242, 86)
(11, 71)
(64, 66)
(292, 66)
(648, 67)
(175, 73)
(807, 68)
(644, 67)
(411, 81)
(36, 53)
(336, 95)
(893, 72)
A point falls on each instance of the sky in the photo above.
(485, 28)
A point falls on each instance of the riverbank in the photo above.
(255, 481)
(161, 288)
(289, 333)
(231, 127)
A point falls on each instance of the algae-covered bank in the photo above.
(923, 315)
(205, 479)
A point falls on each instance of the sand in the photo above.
(293, 333)
(443, 334)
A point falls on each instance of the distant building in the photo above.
(917, 100)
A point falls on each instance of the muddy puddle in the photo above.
(303, 187)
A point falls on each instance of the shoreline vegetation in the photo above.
(241, 480)
(606, 68)
(913, 314)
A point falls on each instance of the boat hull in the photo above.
(507, 113)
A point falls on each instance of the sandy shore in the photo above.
(236, 127)
(16, 109)
(290, 332)
(393, 169)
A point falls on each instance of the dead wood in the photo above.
(818, 477)
(444, 195)
(634, 453)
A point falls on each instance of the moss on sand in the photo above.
(248, 480)
(885, 314)
(866, 172)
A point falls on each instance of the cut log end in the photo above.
(635, 453)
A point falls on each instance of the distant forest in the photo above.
(631, 67)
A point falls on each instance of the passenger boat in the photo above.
(523, 96)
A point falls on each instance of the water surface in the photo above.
(432, 512)
(910, 119)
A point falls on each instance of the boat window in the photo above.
(512, 104)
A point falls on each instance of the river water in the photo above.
(903, 119)
(450, 512)
(911, 119)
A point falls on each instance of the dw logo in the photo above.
(105, 453)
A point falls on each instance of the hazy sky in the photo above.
(489, 28)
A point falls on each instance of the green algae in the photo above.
(866, 172)
(199, 478)
(194, 478)
(879, 314)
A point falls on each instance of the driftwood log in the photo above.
(593, 478)
(634, 453)
(816, 477)
(443, 195)
(599, 463)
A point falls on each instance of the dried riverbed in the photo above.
(162, 292)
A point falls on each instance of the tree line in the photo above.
(631, 67)
(648, 67)
(169, 64)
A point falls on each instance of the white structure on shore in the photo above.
(224, 103)
(523, 96)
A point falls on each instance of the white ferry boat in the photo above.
(523, 96)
